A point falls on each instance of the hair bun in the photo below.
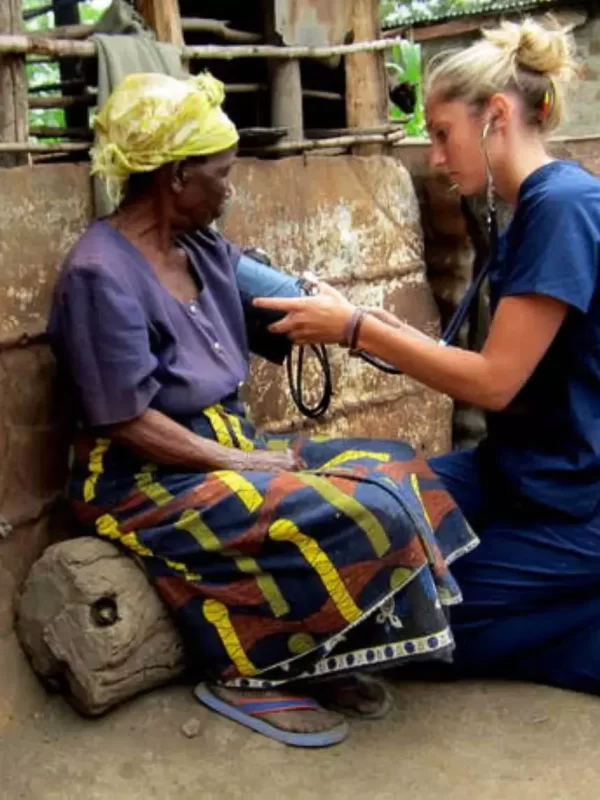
(547, 49)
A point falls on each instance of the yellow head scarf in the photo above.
(153, 119)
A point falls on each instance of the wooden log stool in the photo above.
(93, 626)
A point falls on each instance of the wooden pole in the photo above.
(366, 89)
(285, 80)
(65, 48)
(286, 98)
(13, 86)
(164, 17)
(392, 138)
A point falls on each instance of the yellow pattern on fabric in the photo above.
(284, 530)
(191, 522)
(216, 613)
(399, 577)
(248, 494)
(152, 119)
(266, 583)
(300, 643)
(218, 425)
(352, 508)
(245, 444)
(353, 455)
(107, 526)
(96, 468)
(278, 444)
(153, 490)
(414, 482)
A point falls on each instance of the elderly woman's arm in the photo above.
(157, 437)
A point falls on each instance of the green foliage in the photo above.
(405, 65)
(404, 61)
(46, 74)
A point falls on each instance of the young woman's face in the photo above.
(456, 143)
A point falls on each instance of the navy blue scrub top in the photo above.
(546, 444)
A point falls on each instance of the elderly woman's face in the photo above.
(205, 188)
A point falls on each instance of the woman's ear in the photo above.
(500, 111)
(178, 177)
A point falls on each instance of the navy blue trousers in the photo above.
(531, 588)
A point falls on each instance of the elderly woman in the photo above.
(283, 561)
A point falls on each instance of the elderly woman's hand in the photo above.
(267, 461)
(318, 318)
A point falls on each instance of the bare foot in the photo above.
(357, 695)
(302, 721)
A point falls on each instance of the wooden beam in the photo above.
(302, 145)
(286, 98)
(219, 28)
(70, 32)
(285, 81)
(366, 81)
(13, 86)
(164, 17)
(66, 48)
(67, 101)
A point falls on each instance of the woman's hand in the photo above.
(267, 461)
(320, 318)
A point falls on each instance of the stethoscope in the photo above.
(480, 270)
(450, 334)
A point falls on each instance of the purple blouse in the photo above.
(126, 344)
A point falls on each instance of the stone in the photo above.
(191, 728)
(93, 626)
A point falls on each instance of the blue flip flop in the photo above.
(248, 711)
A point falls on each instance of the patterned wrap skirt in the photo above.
(273, 577)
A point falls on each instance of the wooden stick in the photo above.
(70, 32)
(219, 28)
(317, 94)
(62, 102)
(56, 132)
(245, 88)
(282, 147)
(334, 142)
(325, 133)
(37, 147)
(57, 87)
(270, 51)
(90, 99)
(64, 48)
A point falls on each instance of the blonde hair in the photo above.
(535, 61)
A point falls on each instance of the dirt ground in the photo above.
(479, 741)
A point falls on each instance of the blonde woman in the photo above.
(532, 489)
